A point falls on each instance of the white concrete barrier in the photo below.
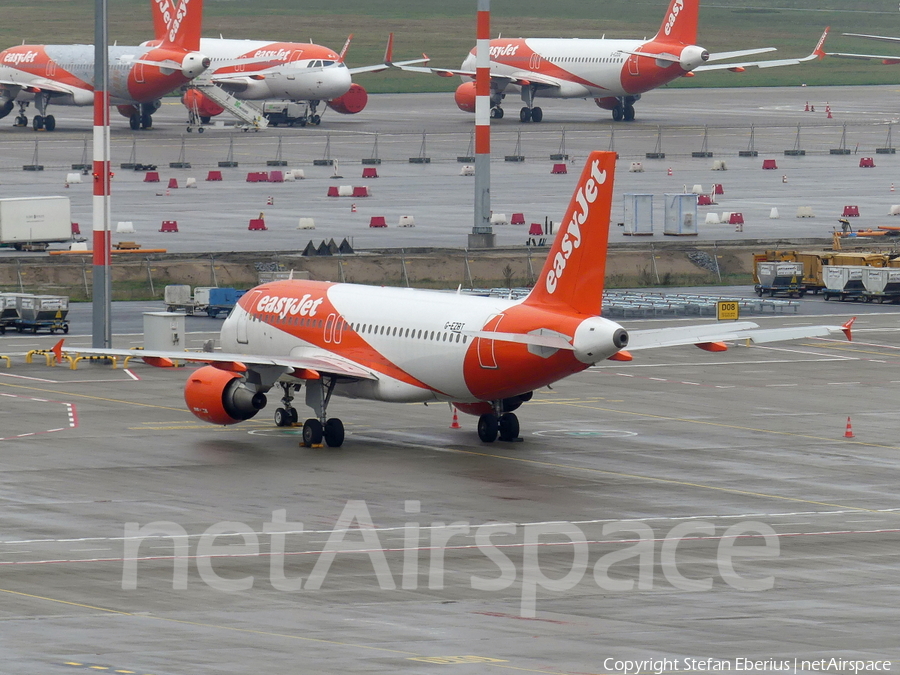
(78, 246)
(298, 174)
(73, 178)
(499, 219)
(306, 224)
(190, 183)
(697, 189)
(712, 218)
(773, 214)
(125, 227)
(345, 190)
(895, 210)
(467, 170)
(719, 165)
(636, 167)
(407, 221)
(805, 212)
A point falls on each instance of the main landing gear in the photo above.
(41, 120)
(624, 111)
(529, 112)
(316, 429)
(492, 426)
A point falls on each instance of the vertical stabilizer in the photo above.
(177, 23)
(572, 277)
(680, 22)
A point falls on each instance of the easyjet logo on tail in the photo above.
(172, 16)
(673, 16)
(571, 239)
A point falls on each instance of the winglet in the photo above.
(819, 51)
(345, 48)
(846, 328)
(389, 50)
(57, 350)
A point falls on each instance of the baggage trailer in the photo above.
(223, 300)
(33, 223)
(209, 299)
(776, 278)
(35, 313)
(882, 283)
(844, 282)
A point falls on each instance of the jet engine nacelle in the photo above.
(221, 396)
(352, 102)
(5, 109)
(205, 106)
(128, 110)
(596, 339)
(693, 56)
(607, 103)
(485, 407)
(194, 64)
(465, 97)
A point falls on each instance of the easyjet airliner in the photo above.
(256, 70)
(485, 355)
(615, 73)
(138, 76)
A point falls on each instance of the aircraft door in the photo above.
(634, 67)
(534, 63)
(139, 73)
(242, 330)
(485, 348)
(51, 68)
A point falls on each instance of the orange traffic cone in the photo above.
(807, 107)
(669, 172)
(828, 112)
(353, 208)
(848, 433)
(455, 423)
(270, 201)
(892, 187)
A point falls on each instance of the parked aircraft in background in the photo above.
(615, 73)
(887, 60)
(486, 355)
(138, 76)
(257, 70)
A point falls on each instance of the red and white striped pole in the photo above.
(102, 277)
(482, 232)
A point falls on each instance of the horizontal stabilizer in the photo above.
(551, 341)
(722, 56)
(711, 333)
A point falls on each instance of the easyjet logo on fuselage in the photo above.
(273, 304)
(280, 55)
(586, 195)
(673, 16)
(507, 50)
(18, 58)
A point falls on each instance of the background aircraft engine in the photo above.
(194, 64)
(693, 56)
(597, 339)
(221, 397)
(5, 109)
(485, 407)
(352, 102)
(465, 97)
(607, 103)
(205, 106)
(128, 110)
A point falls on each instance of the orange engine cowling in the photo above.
(352, 102)
(607, 103)
(128, 110)
(205, 106)
(221, 397)
(486, 408)
(465, 97)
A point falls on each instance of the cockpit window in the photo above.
(327, 63)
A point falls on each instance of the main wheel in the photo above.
(204, 119)
(49, 123)
(488, 428)
(65, 328)
(537, 114)
(509, 427)
(628, 113)
(282, 418)
(334, 433)
(135, 122)
(295, 415)
(312, 432)
(316, 119)
(146, 120)
(617, 113)
(525, 114)
(21, 121)
(37, 123)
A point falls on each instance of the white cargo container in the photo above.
(34, 308)
(681, 215)
(843, 281)
(35, 222)
(177, 295)
(638, 214)
(882, 283)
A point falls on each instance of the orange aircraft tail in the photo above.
(572, 277)
(178, 23)
(680, 22)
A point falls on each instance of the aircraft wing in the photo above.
(319, 362)
(880, 38)
(42, 84)
(719, 332)
(388, 59)
(887, 60)
(523, 78)
(817, 53)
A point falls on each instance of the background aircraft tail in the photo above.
(177, 23)
(680, 22)
(572, 277)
